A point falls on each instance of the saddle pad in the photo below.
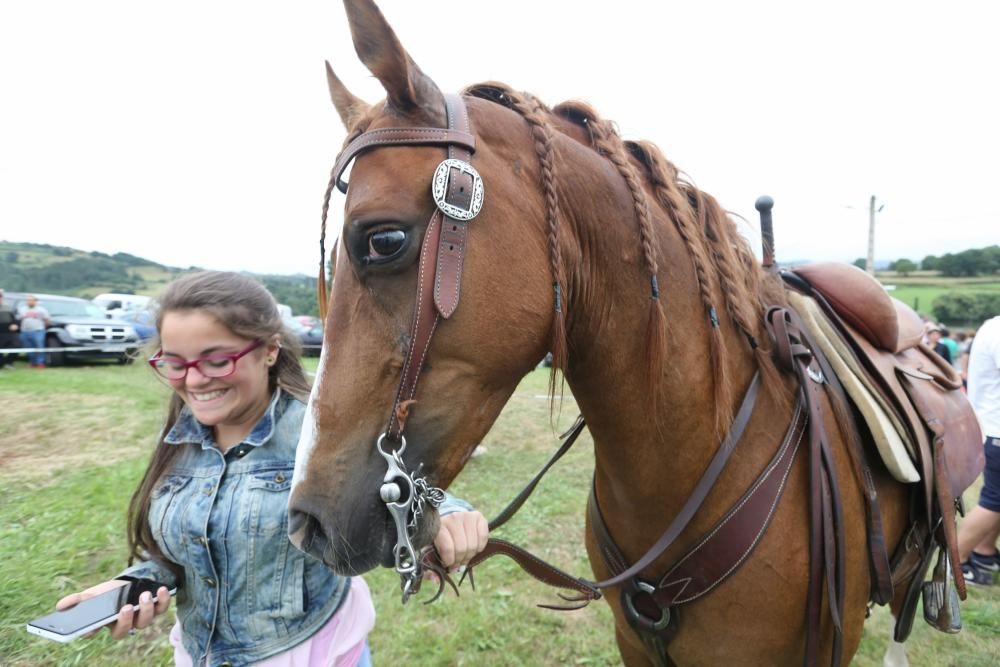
(895, 453)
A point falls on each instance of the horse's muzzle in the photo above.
(361, 545)
(349, 543)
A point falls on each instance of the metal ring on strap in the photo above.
(638, 616)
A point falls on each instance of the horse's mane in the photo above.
(724, 265)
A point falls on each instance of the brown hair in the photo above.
(248, 310)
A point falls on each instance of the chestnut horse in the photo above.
(656, 321)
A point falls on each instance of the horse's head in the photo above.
(506, 300)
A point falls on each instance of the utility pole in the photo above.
(870, 260)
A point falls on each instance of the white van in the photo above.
(116, 304)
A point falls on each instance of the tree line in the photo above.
(968, 263)
(76, 272)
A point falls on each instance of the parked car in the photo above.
(312, 340)
(143, 321)
(76, 323)
(308, 321)
(116, 305)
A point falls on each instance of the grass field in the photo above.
(74, 441)
(919, 290)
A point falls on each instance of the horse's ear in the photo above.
(406, 86)
(350, 107)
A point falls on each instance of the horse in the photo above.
(598, 251)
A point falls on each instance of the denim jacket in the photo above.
(247, 593)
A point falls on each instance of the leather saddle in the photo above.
(924, 394)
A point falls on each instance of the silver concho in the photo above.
(439, 188)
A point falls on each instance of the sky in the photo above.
(202, 134)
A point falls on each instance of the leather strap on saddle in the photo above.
(794, 353)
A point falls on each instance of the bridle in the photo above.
(458, 192)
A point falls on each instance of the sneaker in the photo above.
(989, 564)
(975, 576)
(478, 451)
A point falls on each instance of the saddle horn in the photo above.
(764, 204)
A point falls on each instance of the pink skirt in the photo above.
(339, 643)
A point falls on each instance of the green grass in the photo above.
(74, 441)
(919, 291)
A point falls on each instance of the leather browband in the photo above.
(402, 136)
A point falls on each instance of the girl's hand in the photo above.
(130, 616)
(461, 536)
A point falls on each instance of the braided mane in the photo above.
(725, 268)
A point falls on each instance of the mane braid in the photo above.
(663, 178)
(536, 114)
(607, 142)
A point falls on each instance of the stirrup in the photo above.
(941, 606)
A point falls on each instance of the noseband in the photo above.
(457, 190)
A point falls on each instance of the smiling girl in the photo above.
(210, 514)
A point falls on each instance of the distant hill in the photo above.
(40, 267)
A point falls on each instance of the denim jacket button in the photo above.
(279, 478)
(203, 540)
(209, 581)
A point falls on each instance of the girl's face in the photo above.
(231, 405)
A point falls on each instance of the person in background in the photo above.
(952, 346)
(210, 516)
(964, 342)
(932, 338)
(979, 530)
(9, 326)
(34, 321)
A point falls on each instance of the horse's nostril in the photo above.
(296, 521)
(302, 529)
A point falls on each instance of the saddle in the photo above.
(922, 394)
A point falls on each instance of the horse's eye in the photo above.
(385, 244)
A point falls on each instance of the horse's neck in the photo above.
(651, 446)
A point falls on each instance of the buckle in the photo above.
(440, 185)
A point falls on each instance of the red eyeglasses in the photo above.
(211, 366)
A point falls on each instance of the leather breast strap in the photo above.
(651, 610)
(589, 590)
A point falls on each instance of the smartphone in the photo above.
(92, 613)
